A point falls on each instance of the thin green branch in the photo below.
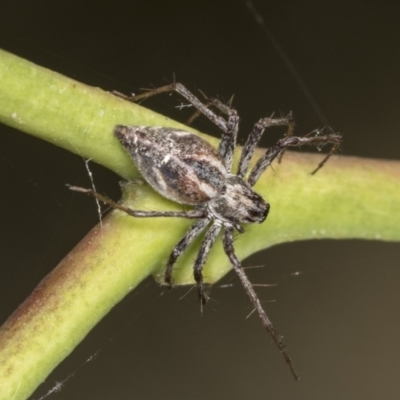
(349, 198)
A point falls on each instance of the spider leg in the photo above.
(228, 139)
(255, 135)
(201, 258)
(293, 141)
(197, 113)
(289, 133)
(181, 246)
(229, 250)
(191, 214)
(321, 164)
(190, 97)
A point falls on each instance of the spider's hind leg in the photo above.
(189, 96)
(210, 102)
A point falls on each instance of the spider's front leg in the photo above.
(255, 136)
(227, 241)
(293, 141)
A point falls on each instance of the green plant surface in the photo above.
(349, 198)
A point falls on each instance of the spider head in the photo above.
(239, 203)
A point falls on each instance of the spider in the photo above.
(188, 170)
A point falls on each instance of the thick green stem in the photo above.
(348, 198)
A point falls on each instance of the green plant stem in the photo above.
(349, 198)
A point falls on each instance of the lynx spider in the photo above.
(185, 168)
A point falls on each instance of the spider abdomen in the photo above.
(179, 165)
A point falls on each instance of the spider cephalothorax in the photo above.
(188, 170)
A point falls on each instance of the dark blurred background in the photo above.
(340, 315)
